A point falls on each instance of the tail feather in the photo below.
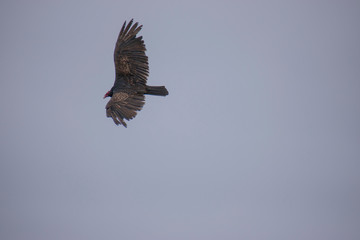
(157, 90)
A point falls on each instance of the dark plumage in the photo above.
(131, 70)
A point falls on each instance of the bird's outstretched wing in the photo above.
(123, 105)
(129, 55)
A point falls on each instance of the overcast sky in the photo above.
(259, 137)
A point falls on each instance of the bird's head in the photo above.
(108, 94)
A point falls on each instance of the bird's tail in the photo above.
(156, 90)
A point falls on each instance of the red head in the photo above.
(108, 94)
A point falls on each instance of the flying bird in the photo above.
(131, 73)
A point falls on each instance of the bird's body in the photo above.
(132, 70)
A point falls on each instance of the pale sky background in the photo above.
(258, 139)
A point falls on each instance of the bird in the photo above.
(131, 73)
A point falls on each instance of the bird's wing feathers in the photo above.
(129, 54)
(124, 106)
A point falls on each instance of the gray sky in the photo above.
(258, 139)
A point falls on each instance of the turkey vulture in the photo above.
(131, 72)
